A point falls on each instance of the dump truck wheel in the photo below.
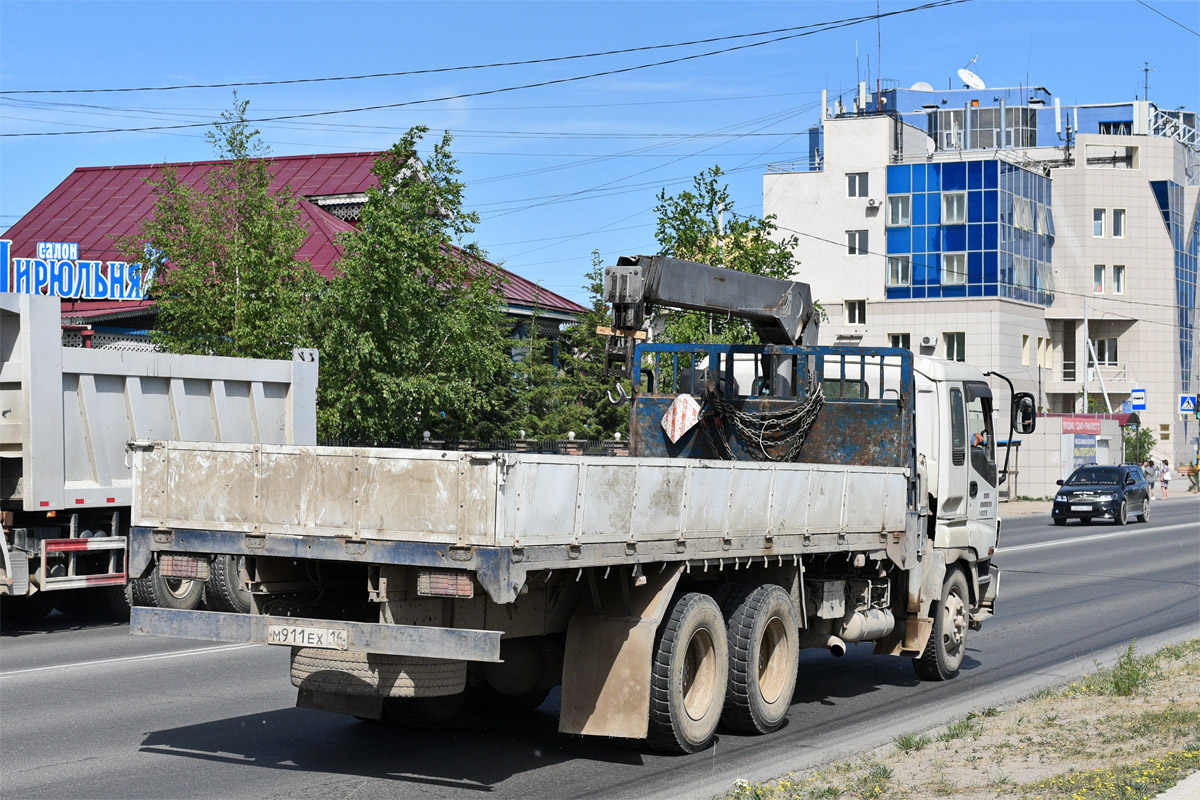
(764, 652)
(223, 591)
(688, 675)
(947, 643)
(162, 592)
(375, 674)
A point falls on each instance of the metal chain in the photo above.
(784, 429)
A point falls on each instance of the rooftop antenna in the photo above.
(1146, 86)
(969, 78)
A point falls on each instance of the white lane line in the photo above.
(1128, 532)
(127, 659)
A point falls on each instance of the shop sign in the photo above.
(58, 271)
(1084, 452)
(1080, 425)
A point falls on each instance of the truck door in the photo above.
(952, 472)
(982, 491)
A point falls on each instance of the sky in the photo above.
(554, 171)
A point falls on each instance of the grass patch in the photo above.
(874, 782)
(911, 742)
(1141, 780)
(962, 729)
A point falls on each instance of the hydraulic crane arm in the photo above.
(780, 311)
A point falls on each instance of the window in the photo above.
(856, 243)
(1023, 213)
(954, 268)
(1098, 279)
(856, 184)
(1106, 351)
(956, 346)
(1098, 223)
(856, 312)
(1118, 223)
(898, 209)
(901, 340)
(1118, 280)
(1116, 128)
(954, 208)
(1022, 273)
(1025, 349)
(898, 271)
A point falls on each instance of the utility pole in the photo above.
(1087, 349)
(1146, 85)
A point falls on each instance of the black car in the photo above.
(1096, 492)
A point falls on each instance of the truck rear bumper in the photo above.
(457, 644)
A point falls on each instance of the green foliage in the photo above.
(911, 742)
(690, 227)
(1138, 445)
(414, 337)
(228, 282)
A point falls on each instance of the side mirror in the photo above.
(1059, 482)
(1024, 413)
(1129, 481)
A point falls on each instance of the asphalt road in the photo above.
(88, 711)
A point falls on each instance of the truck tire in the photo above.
(223, 591)
(688, 675)
(161, 592)
(947, 643)
(376, 674)
(764, 654)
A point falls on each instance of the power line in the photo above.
(465, 67)
(485, 92)
(1164, 16)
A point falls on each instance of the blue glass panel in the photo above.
(933, 180)
(974, 267)
(989, 235)
(918, 294)
(975, 207)
(899, 293)
(1163, 198)
(989, 206)
(954, 176)
(899, 240)
(918, 207)
(989, 290)
(933, 241)
(974, 237)
(918, 178)
(974, 174)
(975, 290)
(954, 238)
(899, 179)
(954, 291)
(989, 175)
(933, 205)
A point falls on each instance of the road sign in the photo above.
(1137, 399)
(1187, 404)
(1126, 407)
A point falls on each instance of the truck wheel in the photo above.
(162, 592)
(943, 654)
(375, 674)
(223, 591)
(764, 652)
(1122, 515)
(688, 675)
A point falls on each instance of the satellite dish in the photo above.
(971, 79)
(921, 86)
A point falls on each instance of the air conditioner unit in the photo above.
(929, 341)
(872, 202)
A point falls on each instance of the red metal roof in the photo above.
(94, 206)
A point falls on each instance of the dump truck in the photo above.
(776, 497)
(66, 414)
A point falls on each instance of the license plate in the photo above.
(1081, 508)
(301, 636)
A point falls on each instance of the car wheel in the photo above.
(1122, 515)
(1144, 516)
(1060, 520)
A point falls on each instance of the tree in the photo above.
(413, 330)
(228, 282)
(1139, 444)
(690, 227)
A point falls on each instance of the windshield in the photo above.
(1095, 476)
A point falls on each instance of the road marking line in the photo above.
(1095, 536)
(126, 659)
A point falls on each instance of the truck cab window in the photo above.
(979, 426)
(958, 428)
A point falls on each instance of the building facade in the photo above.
(1056, 245)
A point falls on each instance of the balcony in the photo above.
(1068, 379)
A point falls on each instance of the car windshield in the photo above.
(1095, 477)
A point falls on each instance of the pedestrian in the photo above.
(1166, 476)
(1151, 475)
